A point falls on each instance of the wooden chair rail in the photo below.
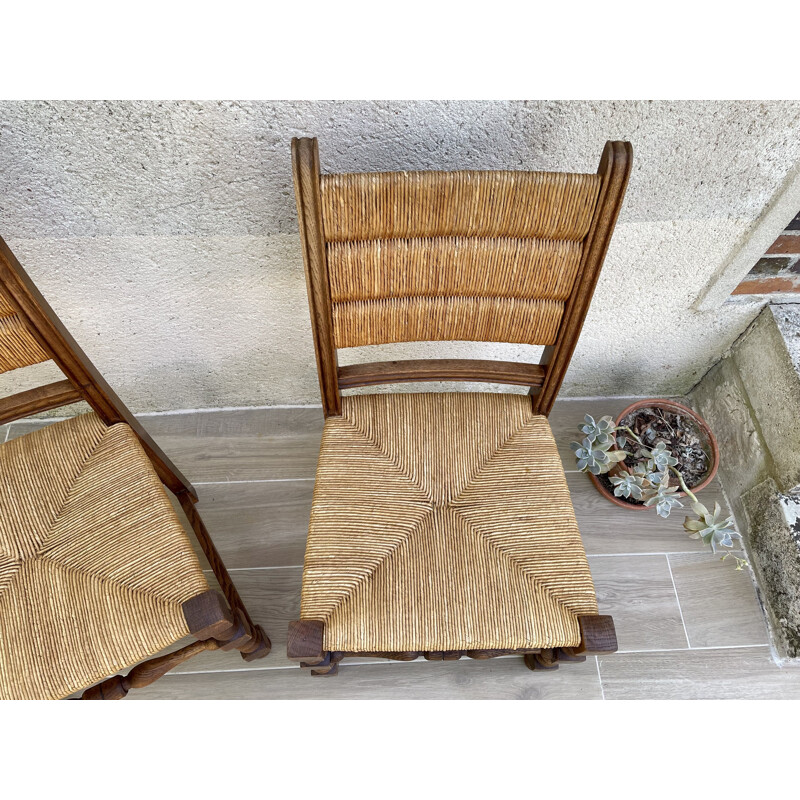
(33, 401)
(51, 334)
(441, 369)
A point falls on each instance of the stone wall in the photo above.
(165, 235)
(751, 399)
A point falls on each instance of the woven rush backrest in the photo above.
(18, 348)
(476, 256)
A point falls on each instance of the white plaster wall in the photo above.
(165, 234)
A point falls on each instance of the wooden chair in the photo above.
(441, 524)
(96, 570)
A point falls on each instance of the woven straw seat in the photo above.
(443, 522)
(93, 559)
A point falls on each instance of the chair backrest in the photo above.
(31, 333)
(505, 256)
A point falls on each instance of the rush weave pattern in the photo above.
(94, 563)
(17, 347)
(443, 522)
(397, 205)
(470, 256)
(425, 319)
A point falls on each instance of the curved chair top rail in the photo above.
(30, 333)
(506, 256)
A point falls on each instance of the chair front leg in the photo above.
(209, 617)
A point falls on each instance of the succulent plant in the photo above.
(711, 527)
(601, 432)
(628, 485)
(590, 459)
(649, 480)
(659, 458)
(663, 499)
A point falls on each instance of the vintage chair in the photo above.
(96, 570)
(441, 523)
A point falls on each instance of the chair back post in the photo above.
(615, 169)
(305, 165)
(87, 383)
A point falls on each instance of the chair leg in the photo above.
(598, 636)
(545, 660)
(256, 644)
(118, 686)
(306, 645)
(209, 617)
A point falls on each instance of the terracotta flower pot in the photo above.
(675, 408)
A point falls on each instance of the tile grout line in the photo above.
(600, 678)
(594, 555)
(424, 661)
(678, 600)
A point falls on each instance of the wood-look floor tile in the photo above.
(272, 596)
(719, 604)
(638, 593)
(497, 679)
(607, 528)
(20, 428)
(732, 674)
(252, 444)
(261, 524)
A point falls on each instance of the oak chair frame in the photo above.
(305, 642)
(216, 622)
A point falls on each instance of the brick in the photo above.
(794, 225)
(769, 266)
(767, 285)
(789, 245)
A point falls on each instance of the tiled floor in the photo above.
(688, 626)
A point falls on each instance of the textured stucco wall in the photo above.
(165, 234)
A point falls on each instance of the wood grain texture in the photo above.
(34, 401)
(207, 615)
(252, 638)
(615, 168)
(608, 529)
(598, 635)
(440, 369)
(261, 524)
(637, 592)
(305, 167)
(146, 673)
(252, 444)
(728, 674)
(304, 640)
(719, 604)
(273, 598)
(494, 679)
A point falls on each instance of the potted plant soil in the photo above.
(656, 452)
